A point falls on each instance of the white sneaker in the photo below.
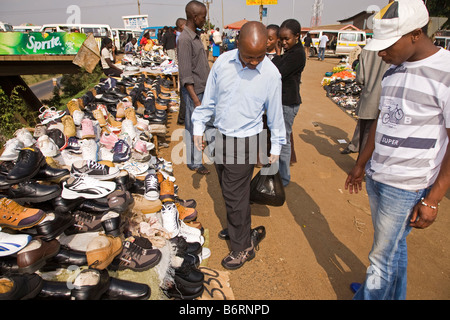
(78, 116)
(12, 149)
(135, 168)
(67, 157)
(170, 219)
(105, 154)
(89, 149)
(47, 146)
(26, 137)
(94, 169)
(12, 243)
(129, 128)
(86, 187)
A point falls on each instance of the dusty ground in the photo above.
(317, 243)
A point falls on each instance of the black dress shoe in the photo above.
(54, 290)
(126, 290)
(65, 257)
(90, 284)
(33, 192)
(50, 228)
(29, 162)
(24, 286)
(62, 205)
(8, 265)
(47, 173)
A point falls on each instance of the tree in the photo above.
(439, 8)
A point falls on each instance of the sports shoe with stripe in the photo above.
(94, 169)
(12, 243)
(86, 187)
(17, 217)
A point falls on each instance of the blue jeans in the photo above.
(289, 113)
(193, 156)
(321, 54)
(391, 209)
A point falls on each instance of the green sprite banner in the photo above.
(54, 43)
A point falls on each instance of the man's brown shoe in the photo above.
(235, 260)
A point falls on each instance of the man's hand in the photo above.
(354, 179)
(198, 142)
(273, 158)
(423, 216)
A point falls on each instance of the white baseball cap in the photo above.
(398, 18)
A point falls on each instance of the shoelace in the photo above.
(132, 252)
(151, 182)
(91, 164)
(83, 218)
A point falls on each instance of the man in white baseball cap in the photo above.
(406, 160)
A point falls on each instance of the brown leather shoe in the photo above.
(186, 214)
(145, 206)
(35, 254)
(102, 250)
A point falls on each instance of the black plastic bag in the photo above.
(266, 187)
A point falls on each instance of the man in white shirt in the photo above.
(242, 85)
(407, 158)
(323, 40)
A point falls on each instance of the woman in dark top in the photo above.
(290, 64)
(308, 42)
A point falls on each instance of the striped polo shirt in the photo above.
(411, 137)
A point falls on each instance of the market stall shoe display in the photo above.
(17, 217)
(20, 286)
(35, 254)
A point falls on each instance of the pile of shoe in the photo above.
(345, 93)
(153, 59)
(70, 191)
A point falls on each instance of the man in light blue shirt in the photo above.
(243, 85)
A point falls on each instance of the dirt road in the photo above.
(317, 243)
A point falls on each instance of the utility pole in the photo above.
(139, 7)
(207, 2)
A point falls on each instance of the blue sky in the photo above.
(165, 12)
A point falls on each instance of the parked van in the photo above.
(98, 30)
(122, 37)
(27, 28)
(340, 42)
(5, 27)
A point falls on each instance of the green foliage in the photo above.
(12, 108)
(74, 83)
